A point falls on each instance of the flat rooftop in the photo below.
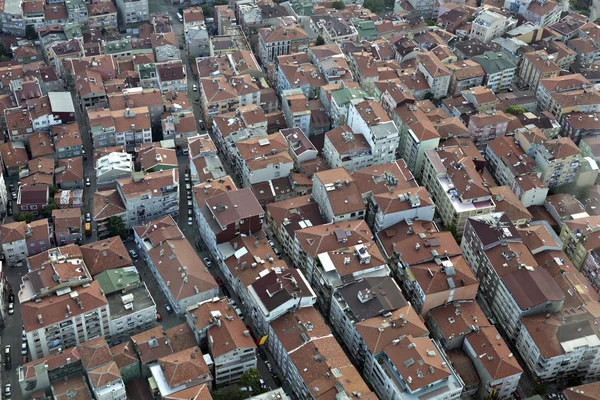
(141, 301)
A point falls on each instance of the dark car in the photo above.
(7, 363)
(202, 126)
(169, 308)
(11, 298)
(219, 281)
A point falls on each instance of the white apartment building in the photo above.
(513, 168)
(436, 73)
(150, 196)
(497, 367)
(14, 243)
(263, 159)
(132, 11)
(114, 166)
(277, 293)
(455, 186)
(3, 195)
(59, 322)
(369, 119)
(488, 25)
(338, 196)
(106, 382)
(538, 12)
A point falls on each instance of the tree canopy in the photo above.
(24, 216)
(514, 110)
(376, 6)
(338, 5)
(116, 226)
(320, 41)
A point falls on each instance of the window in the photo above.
(33, 207)
(24, 208)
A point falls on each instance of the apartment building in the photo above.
(506, 268)
(538, 12)
(489, 25)
(585, 100)
(580, 243)
(85, 315)
(371, 333)
(171, 76)
(432, 277)
(513, 168)
(132, 11)
(276, 293)
(295, 110)
(537, 65)
(287, 216)
(465, 74)
(486, 127)
(455, 185)
(281, 40)
(305, 351)
(222, 95)
(68, 226)
(417, 135)
(113, 166)
(311, 241)
(175, 374)
(369, 119)
(557, 159)
(245, 123)
(436, 73)
(304, 76)
(37, 374)
(21, 240)
(179, 271)
(231, 347)
(496, 366)
(547, 353)
(149, 196)
(263, 159)
(130, 127)
(204, 163)
(500, 71)
(558, 84)
(226, 214)
(338, 196)
(132, 308)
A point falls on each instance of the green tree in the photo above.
(540, 388)
(47, 213)
(430, 22)
(514, 110)
(221, 3)
(471, 18)
(116, 226)
(376, 6)
(231, 392)
(207, 10)
(52, 189)
(428, 96)
(25, 216)
(597, 21)
(320, 41)
(251, 378)
(4, 52)
(31, 33)
(338, 5)
(180, 10)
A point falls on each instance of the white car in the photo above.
(207, 262)
(23, 349)
(7, 392)
(190, 221)
(194, 87)
(87, 182)
(11, 308)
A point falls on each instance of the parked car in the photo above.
(187, 177)
(88, 182)
(219, 281)
(13, 195)
(88, 217)
(190, 221)
(158, 317)
(190, 204)
(133, 254)
(190, 212)
(169, 308)
(195, 87)
(9, 210)
(239, 313)
(207, 261)
(7, 392)
(11, 308)
(23, 349)
(202, 126)
(11, 298)
(269, 367)
(189, 195)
